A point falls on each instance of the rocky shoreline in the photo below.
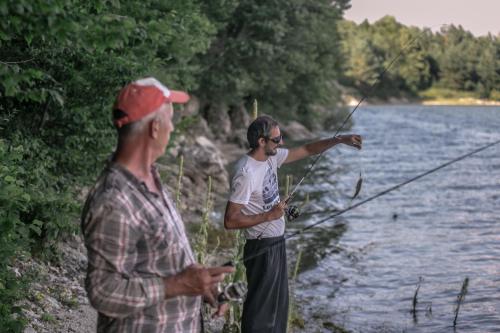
(57, 301)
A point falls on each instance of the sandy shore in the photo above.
(461, 101)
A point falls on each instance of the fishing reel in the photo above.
(292, 212)
(233, 292)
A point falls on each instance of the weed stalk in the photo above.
(460, 299)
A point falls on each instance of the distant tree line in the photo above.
(451, 59)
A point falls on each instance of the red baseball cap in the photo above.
(142, 97)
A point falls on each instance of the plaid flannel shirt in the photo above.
(134, 239)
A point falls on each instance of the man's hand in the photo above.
(277, 211)
(196, 280)
(352, 140)
(221, 310)
(221, 307)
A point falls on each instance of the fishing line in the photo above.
(384, 192)
(370, 90)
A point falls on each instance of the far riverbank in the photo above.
(461, 101)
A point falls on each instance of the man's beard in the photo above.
(271, 152)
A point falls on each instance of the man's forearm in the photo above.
(242, 221)
(119, 297)
(320, 146)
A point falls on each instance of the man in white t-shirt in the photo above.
(255, 206)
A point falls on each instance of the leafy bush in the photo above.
(495, 95)
(61, 64)
(14, 236)
(437, 93)
(452, 59)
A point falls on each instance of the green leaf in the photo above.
(9, 179)
(56, 96)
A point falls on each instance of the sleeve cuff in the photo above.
(236, 201)
(155, 290)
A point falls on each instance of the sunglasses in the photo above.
(276, 139)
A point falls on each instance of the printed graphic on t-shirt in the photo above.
(270, 191)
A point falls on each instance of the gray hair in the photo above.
(131, 129)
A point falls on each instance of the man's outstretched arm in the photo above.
(320, 146)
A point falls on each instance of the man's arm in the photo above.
(235, 219)
(320, 146)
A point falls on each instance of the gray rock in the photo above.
(239, 117)
(208, 159)
(51, 303)
(239, 137)
(218, 120)
(192, 107)
(200, 127)
(202, 158)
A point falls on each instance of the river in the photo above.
(361, 270)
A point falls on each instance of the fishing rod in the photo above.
(293, 211)
(382, 193)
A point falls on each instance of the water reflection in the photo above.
(318, 243)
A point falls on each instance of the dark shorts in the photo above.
(266, 307)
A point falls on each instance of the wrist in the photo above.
(265, 216)
(172, 286)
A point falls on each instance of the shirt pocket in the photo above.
(160, 236)
(163, 236)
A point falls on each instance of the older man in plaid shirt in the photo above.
(142, 275)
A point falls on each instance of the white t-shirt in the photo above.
(255, 185)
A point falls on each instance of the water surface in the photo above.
(361, 270)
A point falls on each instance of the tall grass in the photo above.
(294, 318)
(202, 236)
(255, 110)
(288, 184)
(460, 299)
(179, 182)
(233, 317)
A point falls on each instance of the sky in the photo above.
(476, 16)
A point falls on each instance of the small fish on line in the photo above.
(358, 187)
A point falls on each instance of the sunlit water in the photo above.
(361, 271)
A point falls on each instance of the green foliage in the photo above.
(495, 95)
(452, 59)
(66, 60)
(201, 242)
(179, 183)
(282, 53)
(61, 63)
(294, 318)
(233, 317)
(369, 49)
(14, 237)
(435, 93)
(48, 318)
